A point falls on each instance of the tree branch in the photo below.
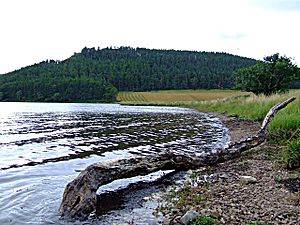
(79, 198)
(272, 113)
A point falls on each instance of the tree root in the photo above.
(79, 198)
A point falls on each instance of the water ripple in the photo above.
(43, 146)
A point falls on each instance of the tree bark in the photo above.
(79, 198)
(272, 113)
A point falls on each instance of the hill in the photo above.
(98, 74)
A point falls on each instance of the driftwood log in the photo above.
(79, 198)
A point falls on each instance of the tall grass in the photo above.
(285, 125)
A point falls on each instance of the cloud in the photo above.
(38, 30)
(278, 5)
(232, 36)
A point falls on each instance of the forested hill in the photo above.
(97, 74)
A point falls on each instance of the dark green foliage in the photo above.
(64, 90)
(97, 74)
(274, 75)
(292, 154)
(52, 81)
(141, 69)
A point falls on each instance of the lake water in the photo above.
(43, 146)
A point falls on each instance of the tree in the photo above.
(19, 95)
(94, 74)
(273, 75)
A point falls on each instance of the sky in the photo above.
(35, 30)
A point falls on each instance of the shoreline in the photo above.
(239, 129)
(230, 201)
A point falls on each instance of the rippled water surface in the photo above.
(43, 146)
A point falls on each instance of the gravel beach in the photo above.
(252, 189)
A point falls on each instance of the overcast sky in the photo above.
(36, 30)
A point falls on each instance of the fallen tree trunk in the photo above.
(80, 199)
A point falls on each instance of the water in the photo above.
(43, 146)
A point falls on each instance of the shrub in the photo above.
(292, 154)
(204, 220)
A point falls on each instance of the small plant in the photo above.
(278, 178)
(255, 223)
(204, 220)
(292, 154)
(295, 174)
(273, 153)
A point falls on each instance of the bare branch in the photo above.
(80, 199)
(272, 113)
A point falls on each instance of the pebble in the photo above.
(175, 211)
(231, 201)
(248, 179)
(189, 217)
(224, 176)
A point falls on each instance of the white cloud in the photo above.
(279, 5)
(234, 36)
(35, 30)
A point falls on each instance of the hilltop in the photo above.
(98, 74)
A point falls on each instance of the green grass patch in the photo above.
(256, 223)
(292, 154)
(285, 124)
(204, 220)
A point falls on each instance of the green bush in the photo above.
(204, 220)
(292, 154)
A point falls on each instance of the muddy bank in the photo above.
(239, 129)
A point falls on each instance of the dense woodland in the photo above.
(98, 74)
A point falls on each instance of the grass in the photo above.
(205, 220)
(292, 154)
(256, 223)
(175, 96)
(284, 126)
(183, 197)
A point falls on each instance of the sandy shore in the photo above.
(231, 201)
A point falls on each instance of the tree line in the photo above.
(98, 74)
